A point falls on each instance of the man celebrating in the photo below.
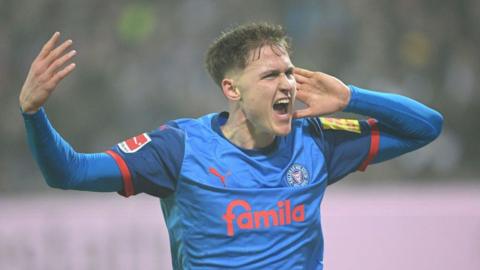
(239, 189)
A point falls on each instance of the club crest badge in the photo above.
(134, 144)
(297, 176)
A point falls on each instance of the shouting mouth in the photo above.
(281, 105)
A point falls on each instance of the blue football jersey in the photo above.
(228, 207)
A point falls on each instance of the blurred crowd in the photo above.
(140, 63)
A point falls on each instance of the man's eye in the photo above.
(270, 75)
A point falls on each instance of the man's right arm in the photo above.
(153, 169)
(61, 166)
(133, 166)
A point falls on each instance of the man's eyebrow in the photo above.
(269, 71)
(276, 71)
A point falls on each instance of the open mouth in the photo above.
(281, 106)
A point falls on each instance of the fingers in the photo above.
(50, 66)
(303, 76)
(304, 88)
(303, 72)
(54, 54)
(46, 71)
(62, 74)
(49, 45)
(61, 61)
(300, 78)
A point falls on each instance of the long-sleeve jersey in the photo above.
(228, 207)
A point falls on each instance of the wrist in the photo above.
(345, 98)
(27, 108)
(352, 90)
(363, 101)
(33, 115)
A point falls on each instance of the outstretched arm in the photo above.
(61, 166)
(404, 124)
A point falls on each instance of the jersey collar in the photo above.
(220, 119)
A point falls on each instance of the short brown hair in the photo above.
(232, 48)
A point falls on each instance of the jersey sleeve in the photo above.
(150, 162)
(348, 145)
(63, 167)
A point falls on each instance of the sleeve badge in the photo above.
(134, 144)
(351, 125)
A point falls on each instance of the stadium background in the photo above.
(140, 63)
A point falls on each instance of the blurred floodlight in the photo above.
(136, 23)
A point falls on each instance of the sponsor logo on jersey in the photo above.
(297, 176)
(351, 125)
(134, 144)
(284, 215)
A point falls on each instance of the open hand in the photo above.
(46, 71)
(322, 93)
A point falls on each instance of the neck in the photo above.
(241, 132)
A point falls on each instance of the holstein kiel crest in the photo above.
(297, 176)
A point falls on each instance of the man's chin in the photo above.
(283, 130)
(281, 124)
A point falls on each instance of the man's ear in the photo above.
(230, 90)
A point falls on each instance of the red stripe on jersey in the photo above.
(126, 176)
(374, 144)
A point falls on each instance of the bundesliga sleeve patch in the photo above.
(134, 144)
(351, 125)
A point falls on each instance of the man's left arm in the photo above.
(398, 125)
(403, 124)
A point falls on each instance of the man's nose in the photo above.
(287, 85)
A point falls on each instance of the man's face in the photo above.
(267, 87)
